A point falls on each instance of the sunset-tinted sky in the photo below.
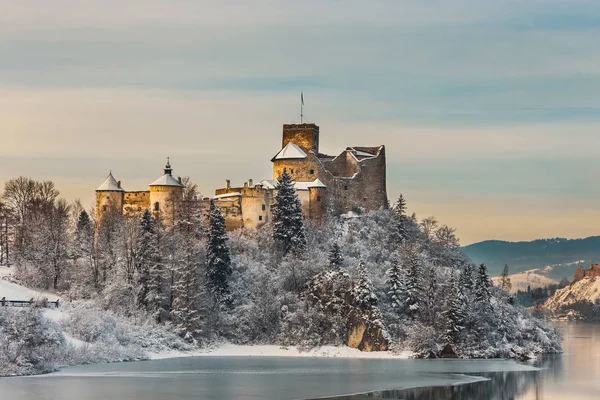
(490, 110)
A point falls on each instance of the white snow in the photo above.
(521, 280)
(110, 184)
(226, 195)
(12, 291)
(290, 151)
(587, 289)
(233, 350)
(166, 180)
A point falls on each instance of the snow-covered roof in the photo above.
(110, 185)
(317, 184)
(166, 180)
(221, 196)
(272, 184)
(290, 151)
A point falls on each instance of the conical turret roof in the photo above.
(110, 185)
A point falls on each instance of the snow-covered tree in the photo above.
(395, 287)
(455, 314)
(288, 222)
(505, 283)
(187, 288)
(218, 258)
(414, 282)
(363, 289)
(335, 259)
(401, 231)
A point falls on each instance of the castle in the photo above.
(586, 273)
(326, 185)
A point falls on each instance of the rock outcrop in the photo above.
(583, 292)
(332, 293)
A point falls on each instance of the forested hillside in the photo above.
(374, 281)
(565, 255)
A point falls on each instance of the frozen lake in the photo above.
(573, 375)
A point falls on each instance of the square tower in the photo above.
(305, 136)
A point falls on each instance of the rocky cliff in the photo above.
(580, 296)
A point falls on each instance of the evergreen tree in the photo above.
(400, 232)
(395, 286)
(84, 250)
(288, 224)
(186, 290)
(363, 291)
(151, 277)
(482, 299)
(412, 264)
(431, 303)
(505, 280)
(336, 262)
(218, 258)
(456, 314)
(465, 279)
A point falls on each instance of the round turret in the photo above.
(165, 194)
(109, 197)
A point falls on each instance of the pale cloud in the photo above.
(475, 100)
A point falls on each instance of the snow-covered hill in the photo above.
(533, 278)
(581, 292)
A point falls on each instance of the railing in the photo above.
(29, 303)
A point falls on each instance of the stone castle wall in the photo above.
(581, 273)
(135, 203)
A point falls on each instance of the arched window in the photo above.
(156, 206)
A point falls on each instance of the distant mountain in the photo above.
(561, 256)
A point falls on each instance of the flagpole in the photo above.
(301, 107)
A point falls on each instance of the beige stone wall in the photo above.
(299, 170)
(256, 206)
(231, 208)
(167, 198)
(305, 136)
(107, 202)
(317, 203)
(135, 203)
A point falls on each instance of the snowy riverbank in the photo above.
(233, 350)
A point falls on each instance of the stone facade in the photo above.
(355, 180)
(162, 199)
(581, 273)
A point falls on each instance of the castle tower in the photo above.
(109, 197)
(298, 140)
(318, 196)
(305, 136)
(165, 194)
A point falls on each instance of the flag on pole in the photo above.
(302, 97)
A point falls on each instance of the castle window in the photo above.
(105, 208)
(107, 198)
(318, 198)
(260, 217)
(156, 206)
(312, 171)
(264, 207)
(346, 187)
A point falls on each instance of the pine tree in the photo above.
(456, 314)
(431, 303)
(84, 250)
(505, 280)
(363, 291)
(412, 264)
(400, 233)
(482, 299)
(288, 224)
(218, 258)
(186, 290)
(151, 277)
(466, 279)
(336, 262)
(395, 286)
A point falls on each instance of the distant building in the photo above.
(326, 185)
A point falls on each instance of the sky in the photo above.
(489, 111)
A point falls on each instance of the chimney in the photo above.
(250, 182)
(119, 184)
(245, 185)
(179, 179)
(227, 184)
